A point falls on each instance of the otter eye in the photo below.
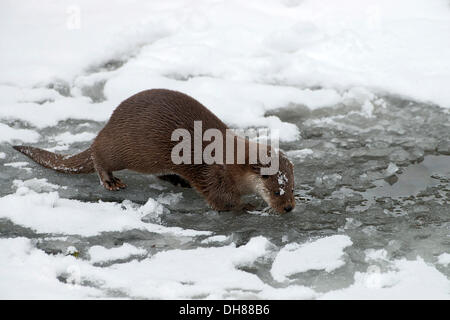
(277, 193)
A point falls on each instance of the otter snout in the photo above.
(285, 207)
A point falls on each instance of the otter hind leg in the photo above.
(110, 182)
(107, 179)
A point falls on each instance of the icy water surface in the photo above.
(378, 174)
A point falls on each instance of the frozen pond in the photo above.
(380, 182)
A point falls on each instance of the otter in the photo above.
(138, 137)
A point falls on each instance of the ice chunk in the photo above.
(391, 170)
(444, 259)
(101, 254)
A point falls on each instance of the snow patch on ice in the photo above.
(29, 273)
(18, 164)
(375, 255)
(299, 154)
(69, 138)
(215, 239)
(35, 184)
(444, 259)
(48, 213)
(101, 254)
(408, 280)
(322, 254)
(177, 274)
(8, 134)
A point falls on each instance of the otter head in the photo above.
(277, 189)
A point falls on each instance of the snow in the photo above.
(69, 138)
(302, 153)
(322, 254)
(48, 213)
(270, 60)
(18, 164)
(209, 272)
(444, 259)
(9, 134)
(212, 272)
(29, 273)
(215, 239)
(372, 254)
(405, 281)
(35, 184)
(102, 254)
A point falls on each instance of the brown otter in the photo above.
(138, 137)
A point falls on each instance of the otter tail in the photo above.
(79, 163)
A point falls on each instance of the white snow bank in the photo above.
(102, 254)
(48, 114)
(240, 59)
(322, 254)
(212, 273)
(408, 280)
(177, 274)
(61, 39)
(48, 213)
(29, 273)
(8, 134)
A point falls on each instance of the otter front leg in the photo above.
(226, 201)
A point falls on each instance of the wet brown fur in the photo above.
(138, 137)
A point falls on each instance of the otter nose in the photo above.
(288, 208)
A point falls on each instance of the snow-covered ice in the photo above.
(102, 254)
(323, 254)
(46, 212)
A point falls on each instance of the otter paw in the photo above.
(114, 184)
